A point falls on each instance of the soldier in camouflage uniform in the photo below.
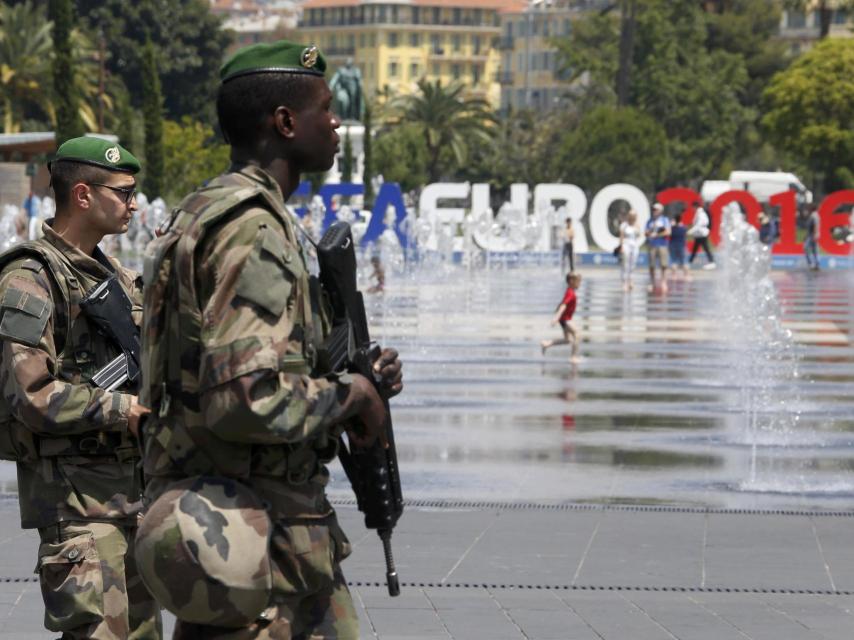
(78, 477)
(232, 328)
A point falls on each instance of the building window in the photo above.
(416, 15)
(392, 69)
(437, 16)
(413, 71)
(455, 71)
(456, 42)
(475, 74)
(840, 16)
(475, 45)
(382, 16)
(436, 44)
(457, 16)
(392, 39)
(796, 19)
(414, 40)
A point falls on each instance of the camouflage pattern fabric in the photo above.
(79, 461)
(202, 552)
(229, 340)
(90, 584)
(311, 600)
(78, 478)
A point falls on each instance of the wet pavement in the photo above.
(679, 482)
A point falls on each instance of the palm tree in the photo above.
(449, 120)
(25, 50)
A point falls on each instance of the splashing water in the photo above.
(762, 355)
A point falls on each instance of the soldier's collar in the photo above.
(257, 174)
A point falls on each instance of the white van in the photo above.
(761, 184)
(764, 184)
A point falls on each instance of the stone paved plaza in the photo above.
(658, 489)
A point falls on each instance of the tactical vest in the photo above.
(17, 442)
(177, 443)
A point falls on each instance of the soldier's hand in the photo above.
(137, 411)
(371, 412)
(390, 368)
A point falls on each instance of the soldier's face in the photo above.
(112, 207)
(316, 138)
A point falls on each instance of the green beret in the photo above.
(98, 152)
(276, 57)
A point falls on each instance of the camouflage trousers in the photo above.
(90, 585)
(310, 599)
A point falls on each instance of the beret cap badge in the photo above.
(113, 155)
(309, 57)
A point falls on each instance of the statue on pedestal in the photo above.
(346, 87)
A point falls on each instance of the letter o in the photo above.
(599, 230)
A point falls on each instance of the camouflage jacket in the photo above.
(230, 329)
(78, 461)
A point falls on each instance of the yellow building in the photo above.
(801, 29)
(395, 44)
(530, 71)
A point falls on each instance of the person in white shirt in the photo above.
(630, 241)
(700, 232)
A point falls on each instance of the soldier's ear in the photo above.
(80, 195)
(284, 121)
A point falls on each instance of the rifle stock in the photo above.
(372, 471)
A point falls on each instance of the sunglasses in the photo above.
(128, 192)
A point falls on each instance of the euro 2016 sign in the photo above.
(456, 205)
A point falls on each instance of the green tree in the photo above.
(368, 156)
(153, 114)
(696, 95)
(188, 37)
(346, 161)
(591, 53)
(401, 156)
(447, 120)
(192, 156)
(65, 99)
(810, 110)
(25, 49)
(615, 145)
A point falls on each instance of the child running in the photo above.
(563, 315)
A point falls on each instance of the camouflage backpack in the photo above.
(171, 329)
(17, 314)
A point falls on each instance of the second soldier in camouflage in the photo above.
(78, 477)
(229, 345)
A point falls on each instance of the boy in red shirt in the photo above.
(563, 315)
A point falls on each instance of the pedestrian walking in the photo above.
(567, 257)
(676, 246)
(811, 239)
(72, 432)
(699, 231)
(563, 316)
(630, 241)
(658, 240)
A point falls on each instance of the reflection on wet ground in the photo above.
(655, 412)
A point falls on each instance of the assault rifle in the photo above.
(372, 471)
(109, 308)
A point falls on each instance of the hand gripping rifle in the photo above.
(372, 471)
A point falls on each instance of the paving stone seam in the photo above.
(574, 506)
(589, 587)
(560, 587)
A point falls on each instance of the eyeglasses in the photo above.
(128, 192)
